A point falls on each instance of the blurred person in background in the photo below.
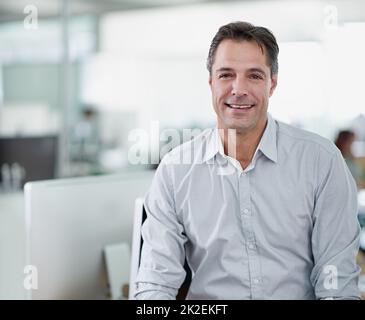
(86, 141)
(344, 142)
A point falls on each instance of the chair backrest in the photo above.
(139, 217)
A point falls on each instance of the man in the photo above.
(263, 210)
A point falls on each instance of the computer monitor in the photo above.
(36, 155)
(137, 244)
(69, 222)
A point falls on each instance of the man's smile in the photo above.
(240, 106)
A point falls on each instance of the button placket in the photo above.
(251, 248)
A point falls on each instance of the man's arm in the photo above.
(335, 237)
(161, 271)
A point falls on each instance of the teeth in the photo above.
(244, 106)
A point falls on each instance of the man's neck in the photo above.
(242, 145)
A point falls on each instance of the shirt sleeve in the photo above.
(150, 291)
(161, 270)
(336, 232)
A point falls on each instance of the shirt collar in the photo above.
(268, 142)
(267, 145)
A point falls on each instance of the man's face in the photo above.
(241, 85)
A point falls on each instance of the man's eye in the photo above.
(256, 76)
(224, 75)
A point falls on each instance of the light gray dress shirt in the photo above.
(284, 228)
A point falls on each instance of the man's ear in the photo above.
(210, 80)
(274, 82)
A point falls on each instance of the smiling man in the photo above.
(241, 83)
(263, 210)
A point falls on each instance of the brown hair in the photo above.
(343, 139)
(244, 31)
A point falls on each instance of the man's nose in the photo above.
(240, 87)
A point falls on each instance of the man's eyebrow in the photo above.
(249, 70)
(257, 70)
(224, 69)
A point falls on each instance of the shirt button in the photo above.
(256, 281)
(251, 245)
(246, 211)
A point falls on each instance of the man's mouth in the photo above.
(240, 106)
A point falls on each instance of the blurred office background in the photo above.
(76, 77)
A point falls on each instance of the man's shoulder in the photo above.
(306, 138)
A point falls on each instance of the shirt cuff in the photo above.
(151, 291)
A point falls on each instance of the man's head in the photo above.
(243, 67)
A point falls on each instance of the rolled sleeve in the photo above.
(335, 236)
(150, 291)
(161, 270)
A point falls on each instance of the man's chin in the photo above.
(240, 127)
